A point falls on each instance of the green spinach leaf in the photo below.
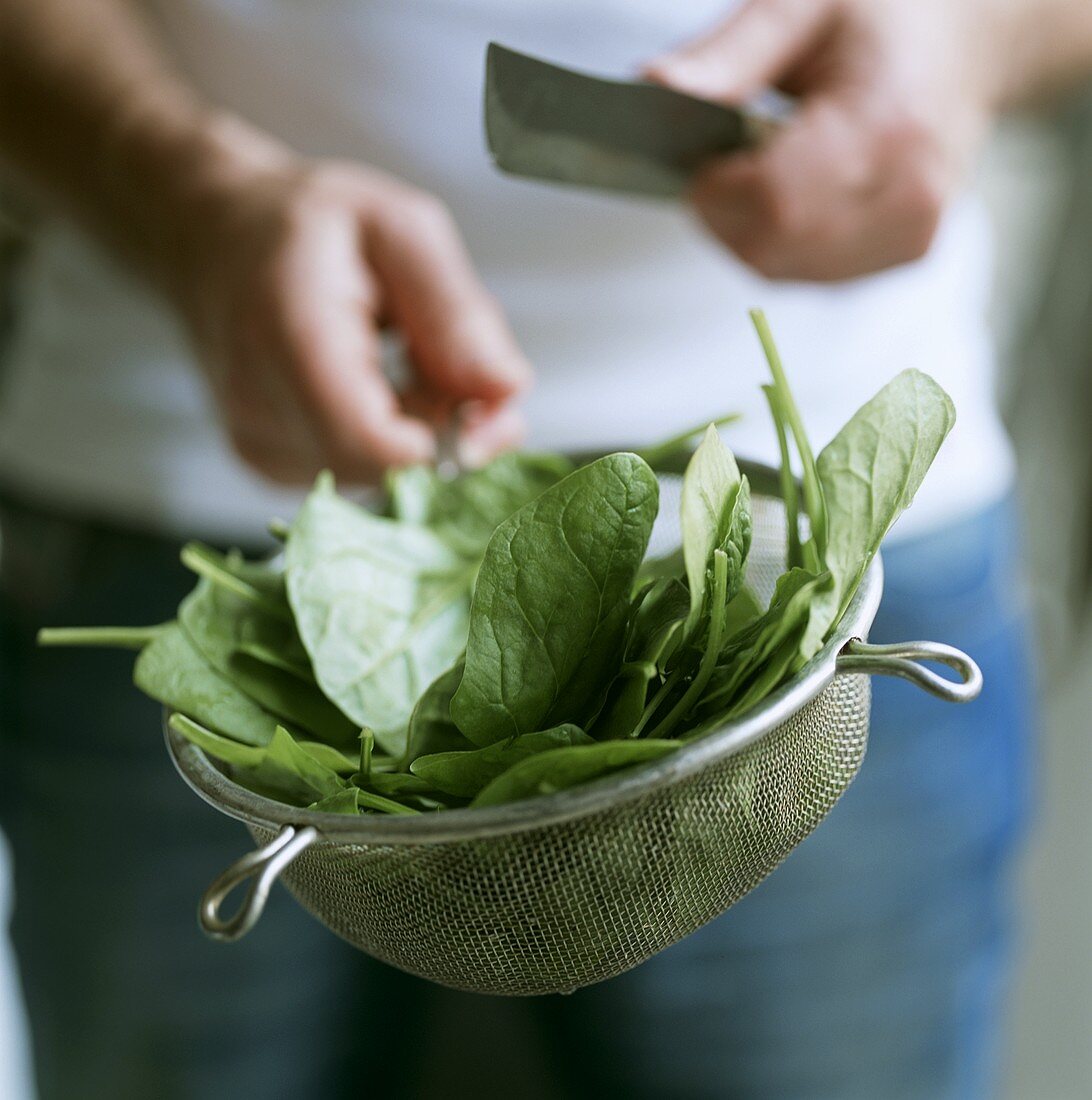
(657, 624)
(871, 470)
(353, 800)
(551, 602)
(715, 515)
(226, 629)
(173, 672)
(466, 510)
(381, 607)
(431, 729)
(466, 773)
(282, 769)
(559, 769)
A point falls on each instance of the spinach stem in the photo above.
(794, 555)
(384, 805)
(266, 656)
(110, 637)
(205, 563)
(650, 711)
(813, 492)
(712, 649)
(668, 447)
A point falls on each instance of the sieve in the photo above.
(564, 890)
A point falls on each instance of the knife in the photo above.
(550, 123)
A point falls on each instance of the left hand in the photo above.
(894, 100)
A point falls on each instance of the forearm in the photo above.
(1045, 49)
(93, 115)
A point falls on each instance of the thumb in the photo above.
(751, 50)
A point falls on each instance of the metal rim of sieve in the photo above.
(844, 653)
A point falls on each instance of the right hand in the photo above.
(284, 279)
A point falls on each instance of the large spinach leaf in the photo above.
(381, 607)
(871, 470)
(552, 599)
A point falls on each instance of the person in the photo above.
(253, 217)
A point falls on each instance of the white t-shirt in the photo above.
(634, 319)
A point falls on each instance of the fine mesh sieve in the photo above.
(554, 893)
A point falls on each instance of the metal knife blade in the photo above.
(551, 123)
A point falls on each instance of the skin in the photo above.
(894, 99)
(284, 270)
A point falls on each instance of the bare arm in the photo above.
(1046, 48)
(92, 113)
(895, 97)
(281, 269)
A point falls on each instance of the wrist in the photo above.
(176, 168)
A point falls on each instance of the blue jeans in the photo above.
(872, 964)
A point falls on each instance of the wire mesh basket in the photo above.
(561, 891)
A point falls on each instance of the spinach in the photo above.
(742, 611)
(173, 672)
(552, 599)
(381, 607)
(431, 729)
(755, 660)
(794, 554)
(229, 631)
(671, 455)
(501, 635)
(787, 419)
(871, 470)
(353, 800)
(466, 773)
(715, 515)
(256, 582)
(283, 768)
(465, 511)
(558, 769)
(657, 623)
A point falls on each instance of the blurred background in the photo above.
(1035, 182)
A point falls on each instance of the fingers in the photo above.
(855, 181)
(486, 428)
(490, 430)
(841, 192)
(455, 333)
(751, 50)
(304, 386)
(334, 354)
(308, 391)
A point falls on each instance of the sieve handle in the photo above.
(264, 864)
(904, 659)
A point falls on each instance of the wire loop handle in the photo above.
(265, 865)
(903, 659)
